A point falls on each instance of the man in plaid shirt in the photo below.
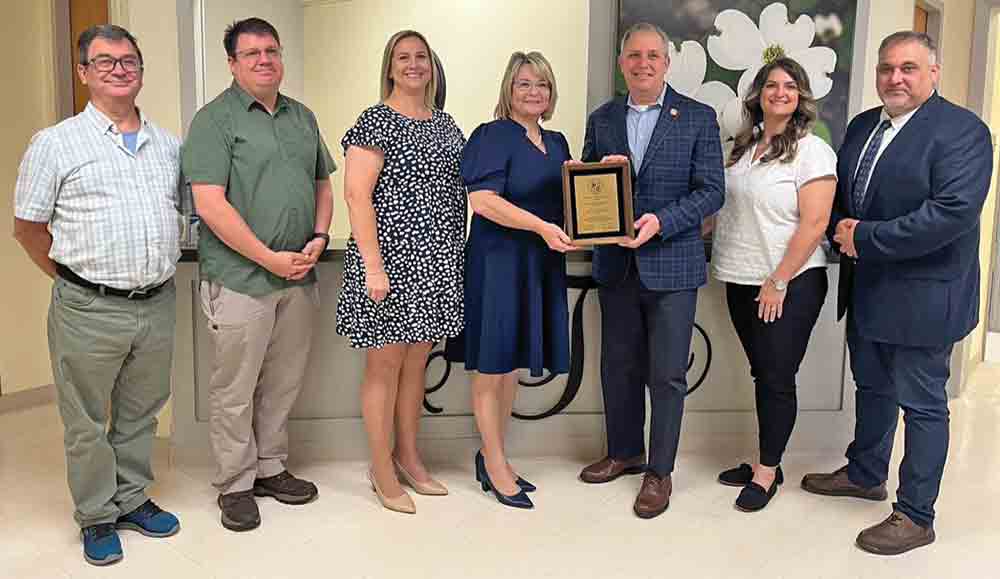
(96, 209)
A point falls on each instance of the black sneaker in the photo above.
(239, 511)
(285, 488)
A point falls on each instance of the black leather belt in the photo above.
(135, 294)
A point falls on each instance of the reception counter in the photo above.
(554, 415)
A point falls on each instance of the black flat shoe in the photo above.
(754, 497)
(519, 501)
(742, 475)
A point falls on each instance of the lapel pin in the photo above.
(674, 114)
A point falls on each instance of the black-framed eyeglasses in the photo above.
(102, 63)
(254, 54)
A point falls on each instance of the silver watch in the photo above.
(779, 284)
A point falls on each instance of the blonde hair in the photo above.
(542, 69)
(386, 84)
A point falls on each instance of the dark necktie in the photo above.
(865, 167)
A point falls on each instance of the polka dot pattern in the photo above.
(420, 215)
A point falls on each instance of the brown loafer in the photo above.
(895, 535)
(608, 469)
(836, 484)
(653, 497)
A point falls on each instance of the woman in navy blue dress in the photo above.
(515, 271)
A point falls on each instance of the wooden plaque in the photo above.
(597, 200)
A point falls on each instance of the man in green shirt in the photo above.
(259, 173)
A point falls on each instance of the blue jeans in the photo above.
(890, 377)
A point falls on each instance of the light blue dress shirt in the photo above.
(640, 122)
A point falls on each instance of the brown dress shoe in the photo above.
(836, 484)
(653, 497)
(608, 469)
(895, 535)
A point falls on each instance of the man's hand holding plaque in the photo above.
(648, 226)
(598, 202)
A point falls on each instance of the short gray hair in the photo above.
(645, 27)
(107, 32)
(904, 36)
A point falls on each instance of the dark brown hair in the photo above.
(253, 25)
(784, 146)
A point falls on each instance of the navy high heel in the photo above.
(520, 500)
(526, 486)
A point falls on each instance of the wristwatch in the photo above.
(779, 284)
(324, 236)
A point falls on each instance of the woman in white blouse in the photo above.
(780, 182)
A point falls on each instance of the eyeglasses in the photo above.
(254, 54)
(130, 64)
(525, 86)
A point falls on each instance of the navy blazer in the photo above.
(681, 181)
(916, 279)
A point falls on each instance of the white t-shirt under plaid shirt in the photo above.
(114, 215)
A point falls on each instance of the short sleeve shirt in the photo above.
(113, 212)
(269, 165)
(761, 212)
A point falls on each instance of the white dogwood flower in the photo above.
(686, 75)
(743, 46)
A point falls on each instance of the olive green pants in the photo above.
(111, 361)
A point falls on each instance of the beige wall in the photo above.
(343, 54)
(284, 15)
(956, 45)
(24, 361)
(342, 43)
(988, 235)
(889, 16)
(154, 24)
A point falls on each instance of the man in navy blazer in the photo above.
(913, 177)
(648, 286)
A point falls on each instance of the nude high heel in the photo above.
(431, 487)
(401, 504)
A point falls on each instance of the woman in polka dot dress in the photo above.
(402, 288)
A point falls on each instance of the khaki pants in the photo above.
(109, 353)
(261, 349)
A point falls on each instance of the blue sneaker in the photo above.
(101, 545)
(150, 520)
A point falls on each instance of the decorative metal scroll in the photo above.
(574, 378)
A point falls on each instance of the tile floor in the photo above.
(577, 531)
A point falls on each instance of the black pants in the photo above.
(775, 351)
(645, 342)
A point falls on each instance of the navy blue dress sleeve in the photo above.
(486, 160)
